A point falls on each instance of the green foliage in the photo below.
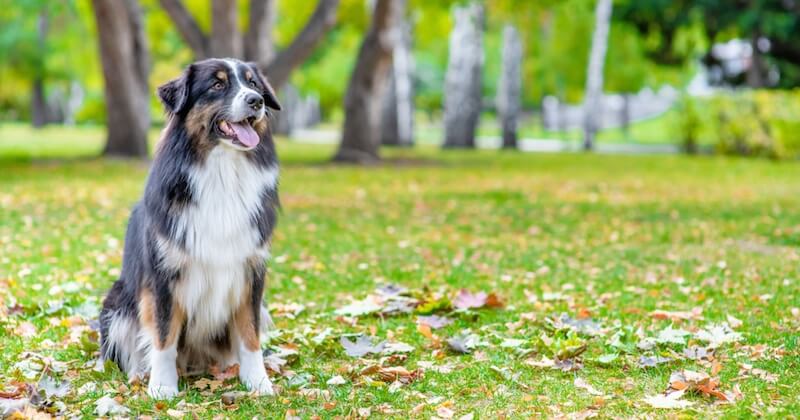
(679, 31)
(756, 123)
(688, 126)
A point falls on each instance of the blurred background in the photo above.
(622, 76)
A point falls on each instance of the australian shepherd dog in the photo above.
(192, 283)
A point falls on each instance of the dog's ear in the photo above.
(270, 99)
(175, 93)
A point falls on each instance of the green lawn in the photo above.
(606, 238)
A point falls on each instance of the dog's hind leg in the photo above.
(247, 325)
(163, 320)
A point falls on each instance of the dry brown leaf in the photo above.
(223, 375)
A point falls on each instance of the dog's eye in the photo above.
(217, 86)
(252, 83)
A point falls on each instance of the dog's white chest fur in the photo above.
(220, 236)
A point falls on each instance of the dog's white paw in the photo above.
(163, 374)
(162, 391)
(258, 382)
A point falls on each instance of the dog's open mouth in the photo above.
(240, 133)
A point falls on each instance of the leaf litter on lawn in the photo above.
(692, 382)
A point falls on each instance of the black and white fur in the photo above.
(191, 288)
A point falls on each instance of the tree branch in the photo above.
(323, 18)
(187, 26)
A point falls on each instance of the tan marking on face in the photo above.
(222, 75)
(261, 126)
(246, 324)
(248, 75)
(147, 318)
(198, 124)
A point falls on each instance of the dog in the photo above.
(194, 261)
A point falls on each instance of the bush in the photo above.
(752, 123)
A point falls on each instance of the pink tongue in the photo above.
(245, 134)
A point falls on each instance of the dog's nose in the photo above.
(254, 101)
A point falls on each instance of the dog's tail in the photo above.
(120, 333)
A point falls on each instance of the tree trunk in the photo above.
(462, 95)
(594, 76)
(38, 103)
(362, 123)
(510, 90)
(398, 105)
(756, 73)
(225, 39)
(258, 42)
(39, 117)
(626, 115)
(123, 52)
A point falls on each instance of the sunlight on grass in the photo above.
(604, 238)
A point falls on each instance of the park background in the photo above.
(584, 208)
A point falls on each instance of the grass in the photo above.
(609, 237)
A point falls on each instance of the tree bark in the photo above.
(756, 73)
(320, 22)
(38, 103)
(362, 123)
(398, 105)
(258, 42)
(594, 76)
(225, 39)
(123, 52)
(39, 114)
(509, 91)
(188, 28)
(462, 96)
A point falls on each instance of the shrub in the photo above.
(757, 123)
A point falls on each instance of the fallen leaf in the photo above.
(494, 301)
(53, 388)
(671, 335)
(107, 406)
(223, 375)
(652, 361)
(670, 401)
(25, 330)
(694, 314)
(361, 346)
(463, 343)
(607, 359)
(697, 353)
(468, 300)
(512, 343)
(359, 307)
(717, 335)
(230, 397)
(748, 370)
(337, 380)
(698, 382)
(434, 321)
(397, 347)
(734, 322)
(582, 384)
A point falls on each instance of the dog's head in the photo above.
(221, 101)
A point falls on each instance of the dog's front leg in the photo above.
(251, 361)
(164, 320)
